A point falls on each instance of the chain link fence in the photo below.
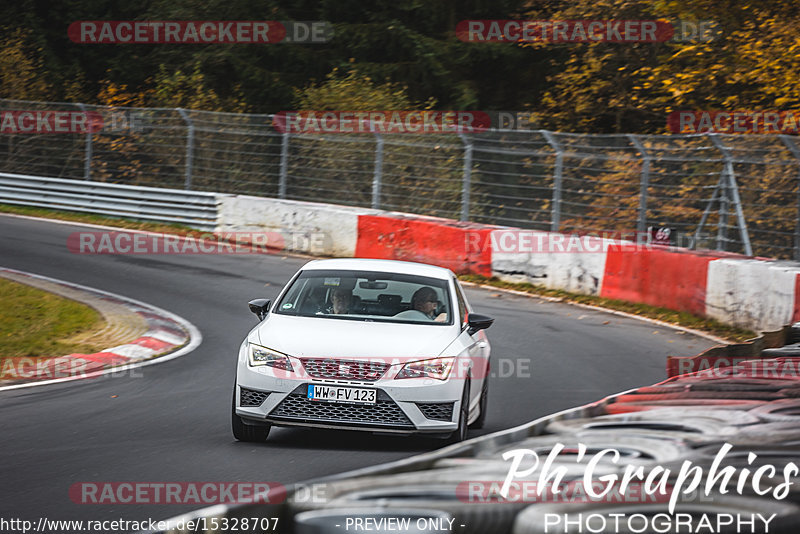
(722, 192)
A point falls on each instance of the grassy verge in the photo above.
(36, 323)
(129, 224)
(716, 328)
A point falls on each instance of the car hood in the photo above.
(339, 338)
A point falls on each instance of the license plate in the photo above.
(342, 394)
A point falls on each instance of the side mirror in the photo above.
(477, 322)
(260, 307)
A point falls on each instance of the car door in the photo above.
(478, 346)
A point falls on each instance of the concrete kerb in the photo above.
(167, 336)
(727, 355)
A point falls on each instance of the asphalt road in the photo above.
(171, 422)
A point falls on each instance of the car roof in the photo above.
(387, 266)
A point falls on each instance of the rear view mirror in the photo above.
(478, 322)
(373, 285)
(260, 307)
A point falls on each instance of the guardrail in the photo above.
(192, 208)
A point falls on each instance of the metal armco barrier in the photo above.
(192, 208)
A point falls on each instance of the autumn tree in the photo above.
(20, 67)
(420, 174)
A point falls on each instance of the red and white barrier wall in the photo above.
(424, 239)
(761, 295)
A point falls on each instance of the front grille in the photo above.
(296, 407)
(440, 411)
(345, 369)
(251, 397)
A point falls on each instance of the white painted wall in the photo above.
(753, 294)
(306, 227)
(552, 260)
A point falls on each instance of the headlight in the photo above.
(438, 368)
(265, 356)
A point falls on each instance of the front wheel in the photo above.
(460, 434)
(481, 420)
(243, 432)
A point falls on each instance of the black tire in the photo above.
(782, 411)
(787, 351)
(460, 434)
(793, 335)
(481, 420)
(243, 432)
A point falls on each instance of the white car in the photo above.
(358, 344)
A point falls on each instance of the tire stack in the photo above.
(753, 407)
(748, 386)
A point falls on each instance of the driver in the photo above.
(340, 301)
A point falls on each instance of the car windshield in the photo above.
(368, 296)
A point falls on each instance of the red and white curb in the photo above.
(168, 337)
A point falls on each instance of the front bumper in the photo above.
(407, 406)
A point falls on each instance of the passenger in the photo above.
(424, 304)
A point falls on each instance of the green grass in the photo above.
(38, 324)
(129, 224)
(685, 319)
